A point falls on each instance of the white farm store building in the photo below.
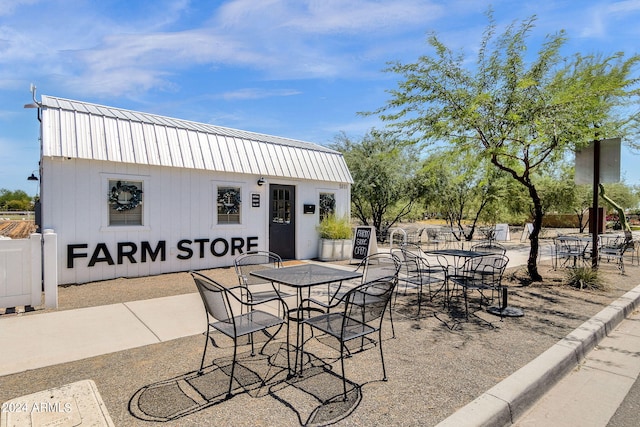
(132, 194)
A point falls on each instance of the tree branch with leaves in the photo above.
(517, 113)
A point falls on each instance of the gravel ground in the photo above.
(437, 363)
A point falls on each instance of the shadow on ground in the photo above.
(316, 397)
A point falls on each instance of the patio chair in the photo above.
(415, 234)
(380, 266)
(221, 305)
(256, 289)
(615, 251)
(480, 274)
(360, 314)
(490, 247)
(570, 250)
(417, 272)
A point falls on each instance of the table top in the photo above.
(456, 252)
(575, 238)
(305, 275)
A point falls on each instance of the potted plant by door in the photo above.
(335, 238)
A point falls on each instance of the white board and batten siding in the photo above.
(180, 164)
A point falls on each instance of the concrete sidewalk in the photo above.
(591, 393)
(580, 381)
(46, 339)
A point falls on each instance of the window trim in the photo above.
(243, 197)
(105, 178)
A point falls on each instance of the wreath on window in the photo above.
(230, 201)
(124, 197)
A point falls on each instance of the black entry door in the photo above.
(282, 235)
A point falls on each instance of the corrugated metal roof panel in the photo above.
(196, 152)
(151, 144)
(139, 143)
(81, 130)
(163, 146)
(97, 135)
(174, 147)
(68, 136)
(114, 152)
(185, 148)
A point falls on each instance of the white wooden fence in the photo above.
(27, 267)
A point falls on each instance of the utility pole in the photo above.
(595, 216)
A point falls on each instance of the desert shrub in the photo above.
(584, 278)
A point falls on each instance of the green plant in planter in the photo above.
(335, 228)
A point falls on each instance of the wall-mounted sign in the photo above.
(255, 200)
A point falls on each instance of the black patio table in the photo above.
(459, 257)
(305, 276)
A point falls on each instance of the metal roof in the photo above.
(76, 129)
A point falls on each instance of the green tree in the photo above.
(383, 171)
(462, 191)
(519, 115)
(582, 202)
(16, 200)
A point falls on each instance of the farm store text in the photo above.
(142, 252)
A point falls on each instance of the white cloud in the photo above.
(283, 39)
(255, 93)
(623, 7)
(103, 53)
(8, 7)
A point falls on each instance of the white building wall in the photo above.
(178, 204)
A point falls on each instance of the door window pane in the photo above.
(281, 199)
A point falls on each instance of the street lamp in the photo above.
(34, 178)
(36, 204)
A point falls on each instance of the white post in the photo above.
(35, 241)
(50, 257)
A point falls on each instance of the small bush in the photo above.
(333, 227)
(585, 278)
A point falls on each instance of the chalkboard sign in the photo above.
(364, 242)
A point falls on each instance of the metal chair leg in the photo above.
(204, 352)
(384, 370)
(233, 366)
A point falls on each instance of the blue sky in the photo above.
(295, 68)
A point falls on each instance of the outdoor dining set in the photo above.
(577, 250)
(342, 304)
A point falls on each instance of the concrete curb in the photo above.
(511, 398)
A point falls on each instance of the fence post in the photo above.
(35, 242)
(50, 263)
